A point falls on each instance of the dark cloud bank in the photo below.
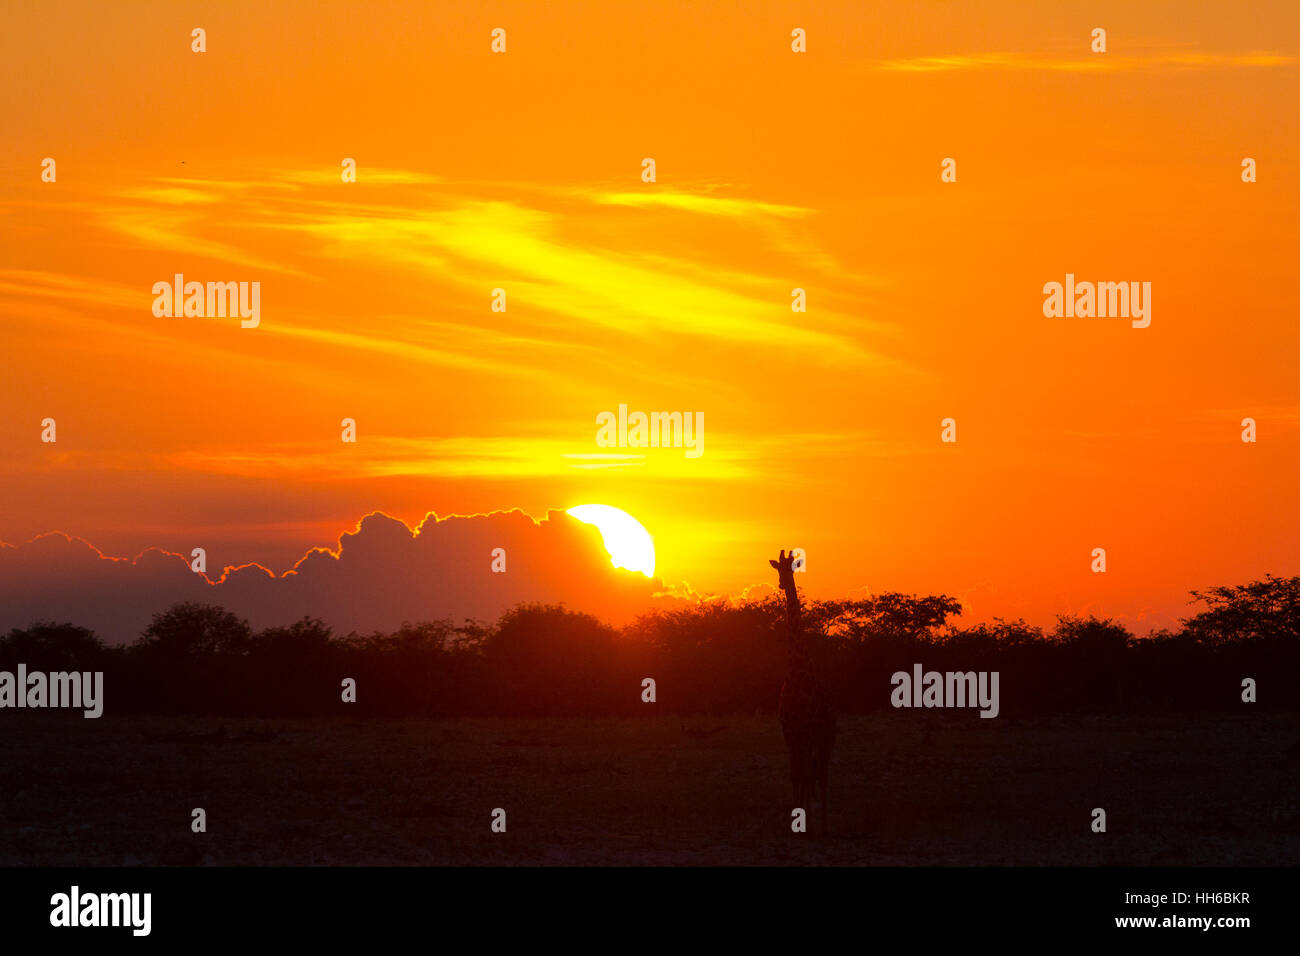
(380, 575)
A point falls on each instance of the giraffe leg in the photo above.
(797, 775)
(823, 775)
(794, 783)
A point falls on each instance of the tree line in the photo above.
(712, 657)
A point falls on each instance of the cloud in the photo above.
(1093, 63)
(30, 283)
(707, 205)
(368, 175)
(170, 195)
(170, 229)
(735, 457)
(536, 453)
(592, 273)
(410, 349)
(461, 456)
(543, 244)
(378, 575)
(473, 243)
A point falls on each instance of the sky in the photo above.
(774, 170)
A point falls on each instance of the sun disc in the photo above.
(628, 542)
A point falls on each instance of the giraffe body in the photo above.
(806, 710)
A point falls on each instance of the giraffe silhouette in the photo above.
(807, 713)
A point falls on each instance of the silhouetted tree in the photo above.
(292, 670)
(1268, 609)
(550, 660)
(193, 630)
(189, 659)
(46, 646)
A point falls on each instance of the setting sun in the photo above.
(628, 542)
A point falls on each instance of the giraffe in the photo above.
(807, 713)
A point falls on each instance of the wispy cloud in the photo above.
(403, 348)
(171, 195)
(478, 457)
(535, 454)
(475, 242)
(162, 227)
(367, 175)
(1093, 63)
(663, 288)
(700, 203)
(70, 288)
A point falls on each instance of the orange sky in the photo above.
(775, 171)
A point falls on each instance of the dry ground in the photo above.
(907, 788)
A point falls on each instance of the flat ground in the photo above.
(907, 788)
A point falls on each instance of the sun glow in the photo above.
(629, 544)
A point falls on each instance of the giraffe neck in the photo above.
(800, 662)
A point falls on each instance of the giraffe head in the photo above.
(785, 571)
